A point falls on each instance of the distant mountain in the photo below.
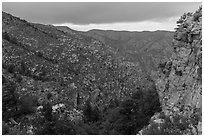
(66, 29)
(146, 48)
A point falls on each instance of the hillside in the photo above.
(146, 48)
(76, 71)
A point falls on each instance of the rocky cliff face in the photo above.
(180, 83)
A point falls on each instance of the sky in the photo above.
(83, 16)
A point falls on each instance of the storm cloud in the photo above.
(98, 12)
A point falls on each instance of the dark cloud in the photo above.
(98, 12)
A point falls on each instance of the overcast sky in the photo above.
(134, 16)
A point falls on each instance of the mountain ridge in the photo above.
(151, 46)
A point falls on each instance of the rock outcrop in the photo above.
(179, 82)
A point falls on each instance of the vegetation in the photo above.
(70, 84)
(57, 83)
(173, 125)
(128, 117)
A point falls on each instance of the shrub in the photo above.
(174, 125)
(132, 114)
(13, 130)
(91, 114)
(11, 68)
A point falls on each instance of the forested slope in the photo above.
(56, 82)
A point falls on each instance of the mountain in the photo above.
(42, 54)
(85, 75)
(67, 29)
(146, 48)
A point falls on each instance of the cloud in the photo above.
(127, 26)
(98, 12)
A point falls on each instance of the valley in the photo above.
(59, 81)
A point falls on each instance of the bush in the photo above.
(132, 114)
(91, 114)
(58, 127)
(13, 130)
(175, 125)
(11, 68)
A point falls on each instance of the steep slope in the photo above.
(47, 57)
(179, 82)
(182, 87)
(147, 48)
(40, 59)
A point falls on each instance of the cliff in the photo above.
(179, 82)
